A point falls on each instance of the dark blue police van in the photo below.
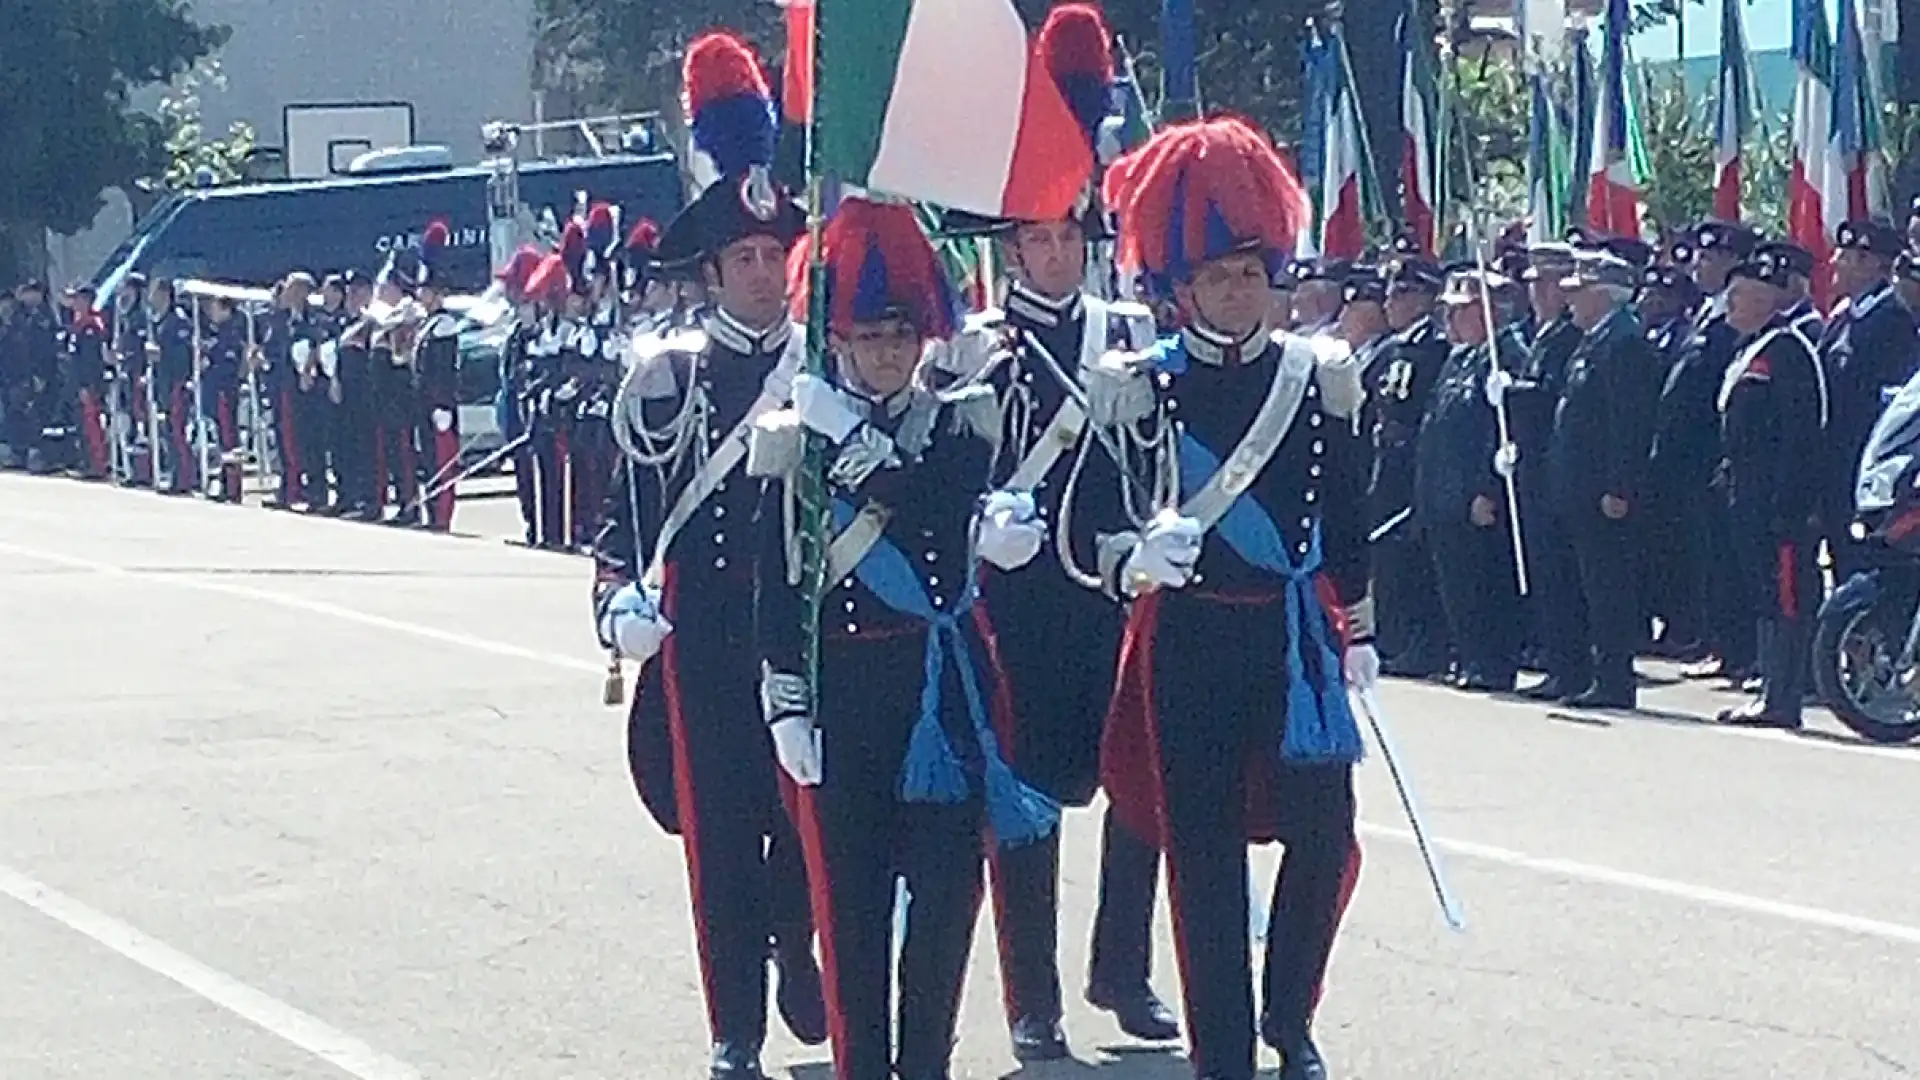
(256, 234)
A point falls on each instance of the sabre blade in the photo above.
(1449, 905)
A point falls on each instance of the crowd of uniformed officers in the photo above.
(1684, 429)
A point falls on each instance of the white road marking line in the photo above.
(313, 607)
(1701, 894)
(276, 1017)
(1679, 890)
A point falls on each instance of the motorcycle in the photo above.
(1866, 649)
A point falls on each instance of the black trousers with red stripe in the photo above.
(1784, 575)
(224, 435)
(1209, 729)
(704, 767)
(860, 838)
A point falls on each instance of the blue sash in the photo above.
(932, 771)
(1319, 725)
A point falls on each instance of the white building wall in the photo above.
(458, 63)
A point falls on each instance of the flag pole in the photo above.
(814, 528)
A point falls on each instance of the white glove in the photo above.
(1010, 530)
(1506, 460)
(1119, 390)
(443, 420)
(300, 355)
(1166, 556)
(796, 741)
(1363, 667)
(1498, 383)
(823, 408)
(631, 621)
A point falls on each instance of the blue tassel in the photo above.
(932, 772)
(1019, 813)
(1320, 726)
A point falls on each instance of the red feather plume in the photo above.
(550, 280)
(437, 236)
(519, 270)
(914, 278)
(645, 236)
(1075, 41)
(721, 65)
(1229, 168)
(573, 240)
(600, 217)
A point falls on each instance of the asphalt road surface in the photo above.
(295, 798)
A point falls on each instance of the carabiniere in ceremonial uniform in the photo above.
(1251, 610)
(675, 556)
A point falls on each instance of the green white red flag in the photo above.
(947, 102)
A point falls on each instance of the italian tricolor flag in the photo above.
(944, 101)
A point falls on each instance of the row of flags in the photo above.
(1587, 159)
(944, 101)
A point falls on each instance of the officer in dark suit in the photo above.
(1681, 459)
(1869, 346)
(1413, 625)
(1774, 409)
(1532, 401)
(1460, 499)
(1596, 460)
(675, 553)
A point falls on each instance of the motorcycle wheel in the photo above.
(1856, 648)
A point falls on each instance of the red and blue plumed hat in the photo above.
(550, 281)
(514, 276)
(574, 254)
(1076, 47)
(433, 245)
(730, 109)
(729, 104)
(879, 265)
(636, 256)
(1201, 191)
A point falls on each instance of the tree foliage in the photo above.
(68, 69)
(190, 158)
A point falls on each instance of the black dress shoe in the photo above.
(1139, 1012)
(1601, 696)
(1554, 690)
(802, 1005)
(1037, 1038)
(1757, 715)
(1300, 1060)
(734, 1060)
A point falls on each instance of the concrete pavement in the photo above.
(283, 797)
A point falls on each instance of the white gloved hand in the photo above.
(1010, 531)
(1362, 665)
(1498, 383)
(1506, 460)
(1119, 389)
(784, 702)
(443, 420)
(823, 408)
(1166, 556)
(796, 746)
(631, 621)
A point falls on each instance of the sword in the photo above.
(1389, 525)
(1449, 905)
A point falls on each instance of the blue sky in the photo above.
(1768, 23)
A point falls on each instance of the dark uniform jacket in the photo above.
(1460, 434)
(1601, 425)
(1774, 410)
(1058, 639)
(709, 563)
(1398, 385)
(1869, 346)
(1686, 433)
